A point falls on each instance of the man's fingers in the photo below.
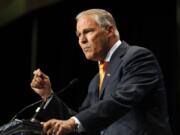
(38, 75)
(59, 131)
(49, 131)
(56, 128)
(36, 71)
(48, 125)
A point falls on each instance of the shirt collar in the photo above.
(112, 50)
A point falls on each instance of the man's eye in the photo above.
(88, 31)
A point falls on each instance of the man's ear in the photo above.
(110, 30)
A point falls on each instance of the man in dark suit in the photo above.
(130, 98)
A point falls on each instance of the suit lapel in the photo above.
(113, 65)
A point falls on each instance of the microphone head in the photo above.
(73, 81)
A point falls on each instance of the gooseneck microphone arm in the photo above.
(71, 83)
(25, 108)
(33, 119)
(44, 103)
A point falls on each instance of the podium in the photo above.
(21, 127)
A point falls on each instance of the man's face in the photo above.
(93, 39)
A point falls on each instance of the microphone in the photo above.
(25, 108)
(71, 83)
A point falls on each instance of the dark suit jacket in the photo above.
(133, 97)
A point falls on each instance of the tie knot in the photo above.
(103, 65)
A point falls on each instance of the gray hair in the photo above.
(102, 17)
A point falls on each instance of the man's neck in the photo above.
(112, 50)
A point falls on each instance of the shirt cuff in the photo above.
(48, 100)
(80, 128)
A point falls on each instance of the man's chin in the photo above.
(89, 57)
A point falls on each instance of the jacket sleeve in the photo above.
(55, 109)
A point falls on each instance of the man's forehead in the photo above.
(85, 22)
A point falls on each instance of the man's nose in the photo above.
(83, 39)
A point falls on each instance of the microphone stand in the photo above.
(33, 119)
(43, 103)
(22, 110)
